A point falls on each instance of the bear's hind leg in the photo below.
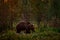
(18, 31)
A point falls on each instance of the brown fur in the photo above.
(24, 26)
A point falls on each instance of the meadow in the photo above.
(42, 33)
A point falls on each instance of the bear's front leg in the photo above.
(28, 31)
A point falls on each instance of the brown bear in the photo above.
(27, 27)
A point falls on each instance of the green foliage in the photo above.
(34, 10)
(45, 33)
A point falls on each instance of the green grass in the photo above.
(45, 33)
(41, 33)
